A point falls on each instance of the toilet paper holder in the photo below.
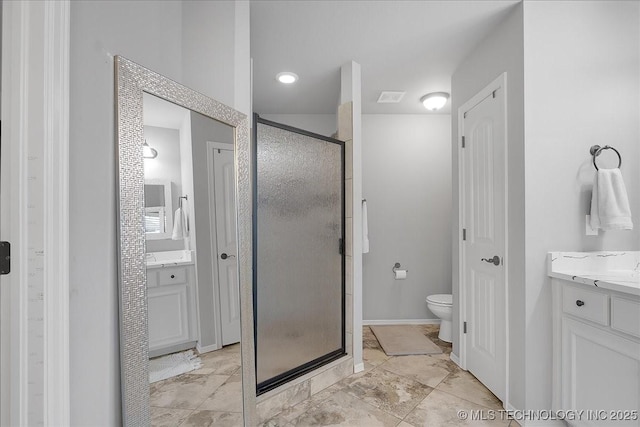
(396, 266)
(399, 274)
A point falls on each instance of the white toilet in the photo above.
(442, 306)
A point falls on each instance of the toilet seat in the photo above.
(440, 299)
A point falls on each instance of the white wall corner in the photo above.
(350, 91)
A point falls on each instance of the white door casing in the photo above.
(483, 293)
(224, 236)
(34, 301)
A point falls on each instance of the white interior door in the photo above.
(225, 228)
(483, 269)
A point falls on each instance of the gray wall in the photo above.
(322, 124)
(164, 167)
(215, 50)
(150, 33)
(501, 51)
(406, 174)
(582, 87)
(196, 16)
(204, 129)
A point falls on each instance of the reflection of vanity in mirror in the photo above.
(192, 288)
(171, 274)
(189, 308)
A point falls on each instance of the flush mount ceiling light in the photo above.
(434, 101)
(287, 77)
(148, 152)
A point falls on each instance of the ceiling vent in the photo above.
(388, 97)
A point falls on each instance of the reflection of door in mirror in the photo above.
(192, 282)
(222, 182)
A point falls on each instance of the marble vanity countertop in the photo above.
(169, 258)
(614, 270)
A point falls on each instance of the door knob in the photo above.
(495, 260)
(225, 256)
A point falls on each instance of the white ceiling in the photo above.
(412, 46)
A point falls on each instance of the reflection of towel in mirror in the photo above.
(609, 202)
(180, 225)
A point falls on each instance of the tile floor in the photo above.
(399, 391)
(209, 396)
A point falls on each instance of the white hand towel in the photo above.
(180, 225)
(177, 225)
(365, 228)
(609, 202)
(185, 222)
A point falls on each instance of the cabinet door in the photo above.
(601, 371)
(168, 315)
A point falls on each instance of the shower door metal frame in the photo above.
(291, 374)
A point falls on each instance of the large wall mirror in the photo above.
(184, 254)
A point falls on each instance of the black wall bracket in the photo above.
(5, 257)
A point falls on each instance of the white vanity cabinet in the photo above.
(596, 353)
(171, 308)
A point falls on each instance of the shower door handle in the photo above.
(495, 260)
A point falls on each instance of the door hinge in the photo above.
(341, 246)
(463, 142)
(464, 234)
(5, 257)
(464, 328)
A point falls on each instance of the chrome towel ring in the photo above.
(595, 151)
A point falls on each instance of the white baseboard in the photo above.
(455, 359)
(509, 406)
(206, 348)
(358, 368)
(401, 322)
(534, 423)
(540, 423)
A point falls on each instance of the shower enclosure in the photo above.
(299, 305)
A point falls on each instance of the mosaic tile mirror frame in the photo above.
(132, 80)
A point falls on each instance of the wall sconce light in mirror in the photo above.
(148, 152)
(434, 101)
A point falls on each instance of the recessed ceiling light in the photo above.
(287, 77)
(434, 101)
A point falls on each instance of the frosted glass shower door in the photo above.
(299, 259)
